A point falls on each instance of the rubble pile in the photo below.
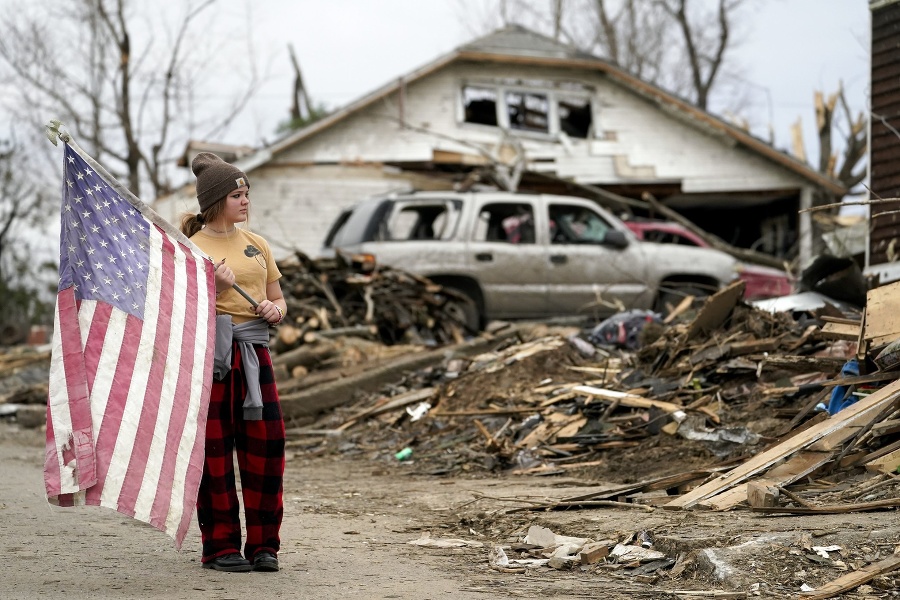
(550, 402)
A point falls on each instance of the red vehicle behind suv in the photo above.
(762, 282)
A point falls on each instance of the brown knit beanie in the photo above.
(215, 178)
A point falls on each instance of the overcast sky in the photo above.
(347, 48)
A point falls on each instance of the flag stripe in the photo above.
(117, 362)
(189, 470)
(76, 461)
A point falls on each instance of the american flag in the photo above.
(132, 355)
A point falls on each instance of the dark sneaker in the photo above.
(265, 561)
(233, 563)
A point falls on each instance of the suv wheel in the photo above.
(463, 309)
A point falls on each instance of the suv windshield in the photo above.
(358, 225)
(420, 220)
(395, 220)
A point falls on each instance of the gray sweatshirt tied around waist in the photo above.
(246, 335)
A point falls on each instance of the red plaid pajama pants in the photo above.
(259, 446)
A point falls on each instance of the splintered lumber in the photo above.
(716, 309)
(804, 363)
(659, 483)
(305, 356)
(850, 418)
(856, 578)
(760, 495)
(632, 400)
(889, 463)
(801, 464)
(550, 427)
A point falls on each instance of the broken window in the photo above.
(528, 111)
(504, 222)
(480, 105)
(575, 118)
(433, 221)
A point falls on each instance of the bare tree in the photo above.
(648, 38)
(107, 71)
(21, 213)
(843, 159)
(631, 34)
(705, 43)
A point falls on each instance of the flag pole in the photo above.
(247, 296)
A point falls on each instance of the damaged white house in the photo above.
(539, 114)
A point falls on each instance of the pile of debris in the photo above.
(726, 405)
(345, 295)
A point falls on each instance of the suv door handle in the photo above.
(484, 257)
(558, 259)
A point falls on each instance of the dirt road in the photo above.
(348, 524)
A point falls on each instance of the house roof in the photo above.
(228, 152)
(515, 44)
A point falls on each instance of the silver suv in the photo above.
(526, 255)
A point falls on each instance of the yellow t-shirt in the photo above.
(250, 259)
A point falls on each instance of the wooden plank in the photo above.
(865, 408)
(753, 346)
(886, 427)
(316, 399)
(880, 452)
(849, 581)
(840, 331)
(831, 509)
(885, 464)
(882, 324)
(659, 483)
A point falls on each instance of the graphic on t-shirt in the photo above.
(250, 251)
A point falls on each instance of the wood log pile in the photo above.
(340, 296)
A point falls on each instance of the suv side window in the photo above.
(511, 223)
(420, 221)
(573, 224)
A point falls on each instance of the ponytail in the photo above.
(191, 224)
